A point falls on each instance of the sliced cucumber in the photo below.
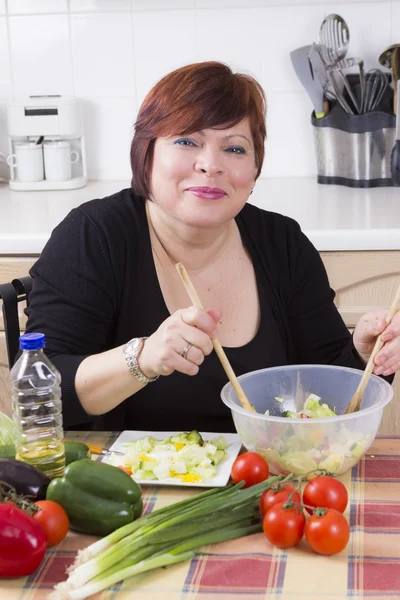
(218, 456)
(194, 436)
(219, 442)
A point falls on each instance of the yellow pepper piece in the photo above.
(179, 445)
(146, 458)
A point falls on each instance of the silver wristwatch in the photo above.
(131, 351)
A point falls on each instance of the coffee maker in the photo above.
(46, 144)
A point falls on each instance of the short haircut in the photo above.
(195, 97)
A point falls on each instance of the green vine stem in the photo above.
(9, 494)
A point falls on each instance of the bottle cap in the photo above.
(32, 341)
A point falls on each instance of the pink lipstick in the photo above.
(207, 193)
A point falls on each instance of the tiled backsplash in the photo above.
(110, 52)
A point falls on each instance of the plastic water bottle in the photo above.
(36, 402)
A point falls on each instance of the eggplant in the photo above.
(24, 478)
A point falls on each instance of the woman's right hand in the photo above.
(161, 353)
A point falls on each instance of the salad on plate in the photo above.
(186, 457)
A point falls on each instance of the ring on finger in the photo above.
(185, 350)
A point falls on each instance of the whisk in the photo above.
(376, 83)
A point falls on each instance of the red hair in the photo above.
(195, 97)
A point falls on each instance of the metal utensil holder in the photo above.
(354, 150)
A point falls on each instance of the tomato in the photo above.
(276, 494)
(251, 468)
(284, 527)
(326, 492)
(327, 533)
(53, 519)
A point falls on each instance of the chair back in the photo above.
(11, 294)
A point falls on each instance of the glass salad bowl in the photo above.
(299, 444)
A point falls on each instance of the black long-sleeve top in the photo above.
(95, 287)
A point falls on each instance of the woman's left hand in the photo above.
(387, 360)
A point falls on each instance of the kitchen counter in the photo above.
(333, 217)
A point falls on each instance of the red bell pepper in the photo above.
(22, 542)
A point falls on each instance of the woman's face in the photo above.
(205, 178)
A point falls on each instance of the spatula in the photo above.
(356, 400)
(217, 345)
(302, 66)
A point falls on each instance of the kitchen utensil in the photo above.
(40, 140)
(217, 346)
(338, 89)
(102, 451)
(357, 398)
(336, 70)
(318, 66)
(312, 85)
(391, 60)
(335, 36)
(395, 157)
(385, 59)
(302, 445)
(395, 63)
(376, 83)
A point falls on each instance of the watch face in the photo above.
(135, 344)
(132, 345)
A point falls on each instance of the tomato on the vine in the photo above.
(276, 494)
(328, 532)
(251, 468)
(53, 520)
(284, 526)
(326, 492)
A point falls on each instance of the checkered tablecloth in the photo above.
(250, 568)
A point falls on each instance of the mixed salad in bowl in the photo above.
(302, 450)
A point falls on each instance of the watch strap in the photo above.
(131, 358)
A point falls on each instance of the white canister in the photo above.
(58, 158)
(28, 161)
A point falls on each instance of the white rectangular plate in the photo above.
(223, 469)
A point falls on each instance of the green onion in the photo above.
(164, 537)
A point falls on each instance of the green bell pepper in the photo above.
(98, 498)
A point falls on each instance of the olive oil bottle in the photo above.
(36, 403)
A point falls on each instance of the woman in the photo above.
(117, 319)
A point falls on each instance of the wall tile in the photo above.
(103, 54)
(279, 36)
(120, 48)
(41, 63)
(100, 5)
(395, 23)
(232, 37)
(5, 75)
(227, 3)
(163, 42)
(21, 7)
(289, 148)
(108, 124)
(4, 169)
(162, 4)
(313, 2)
